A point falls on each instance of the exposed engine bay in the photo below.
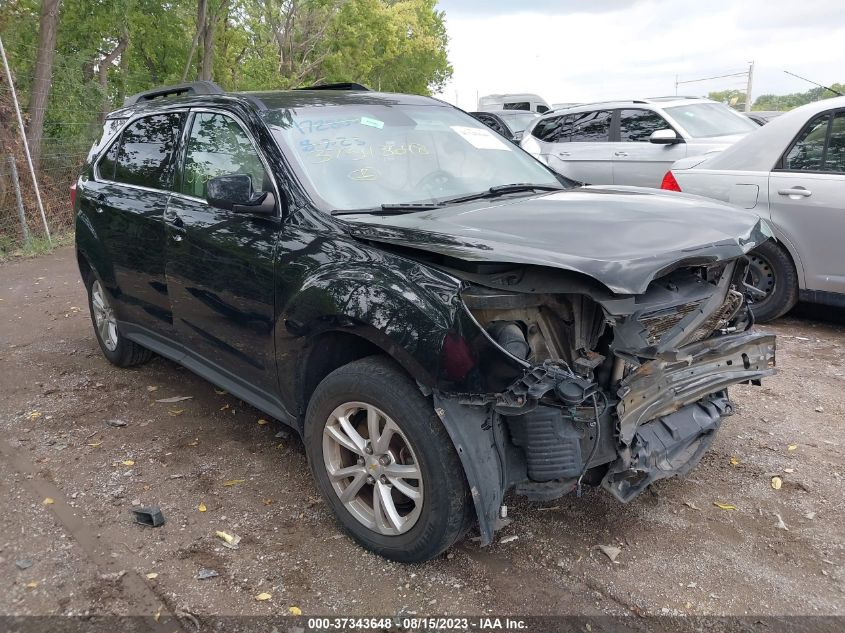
(616, 390)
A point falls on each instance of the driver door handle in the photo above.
(620, 153)
(795, 191)
(563, 154)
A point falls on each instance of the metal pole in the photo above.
(25, 144)
(13, 172)
(748, 88)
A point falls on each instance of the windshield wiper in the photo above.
(412, 207)
(392, 209)
(500, 190)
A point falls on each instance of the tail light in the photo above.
(669, 183)
(73, 195)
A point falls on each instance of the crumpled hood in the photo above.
(621, 236)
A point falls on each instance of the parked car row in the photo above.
(791, 172)
(631, 142)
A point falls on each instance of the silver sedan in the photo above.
(792, 172)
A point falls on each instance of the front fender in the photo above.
(401, 307)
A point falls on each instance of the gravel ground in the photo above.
(773, 552)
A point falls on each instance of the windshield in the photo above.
(363, 156)
(706, 120)
(518, 122)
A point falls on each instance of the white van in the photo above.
(520, 101)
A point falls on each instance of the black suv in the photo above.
(440, 316)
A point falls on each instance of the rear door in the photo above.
(128, 195)
(220, 263)
(807, 200)
(582, 151)
(636, 161)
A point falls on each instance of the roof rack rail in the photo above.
(673, 97)
(596, 103)
(192, 88)
(349, 85)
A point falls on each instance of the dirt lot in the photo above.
(680, 553)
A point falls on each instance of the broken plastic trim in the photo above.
(678, 378)
(665, 447)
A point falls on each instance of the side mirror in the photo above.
(234, 193)
(665, 137)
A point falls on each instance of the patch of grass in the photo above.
(38, 245)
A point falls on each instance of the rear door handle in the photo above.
(620, 153)
(800, 192)
(563, 154)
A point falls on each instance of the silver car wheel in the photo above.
(372, 468)
(103, 317)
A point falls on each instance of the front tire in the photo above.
(117, 349)
(384, 462)
(772, 271)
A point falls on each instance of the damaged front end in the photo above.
(549, 380)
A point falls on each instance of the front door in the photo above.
(636, 161)
(220, 263)
(807, 200)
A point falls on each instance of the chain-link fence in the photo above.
(67, 138)
(21, 224)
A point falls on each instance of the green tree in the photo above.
(795, 99)
(733, 98)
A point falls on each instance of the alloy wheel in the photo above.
(103, 317)
(372, 468)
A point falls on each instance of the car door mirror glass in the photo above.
(664, 137)
(224, 192)
(234, 193)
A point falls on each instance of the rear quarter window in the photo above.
(110, 129)
(556, 129)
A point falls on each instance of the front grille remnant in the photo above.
(659, 322)
(720, 318)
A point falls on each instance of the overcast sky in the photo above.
(571, 50)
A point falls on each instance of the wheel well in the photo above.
(786, 246)
(327, 353)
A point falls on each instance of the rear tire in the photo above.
(438, 509)
(772, 271)
(117, 349)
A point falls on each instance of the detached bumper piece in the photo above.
(669, 446)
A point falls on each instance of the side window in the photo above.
(105, 168)
(110, 126)
(146, 151)
(491, 122)
(636, 126)
(217, 146)
(545, 129)
(590, 127)
(541, 108)
(807, 153)
(834, 157)
(555, 129)
(517, 105)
